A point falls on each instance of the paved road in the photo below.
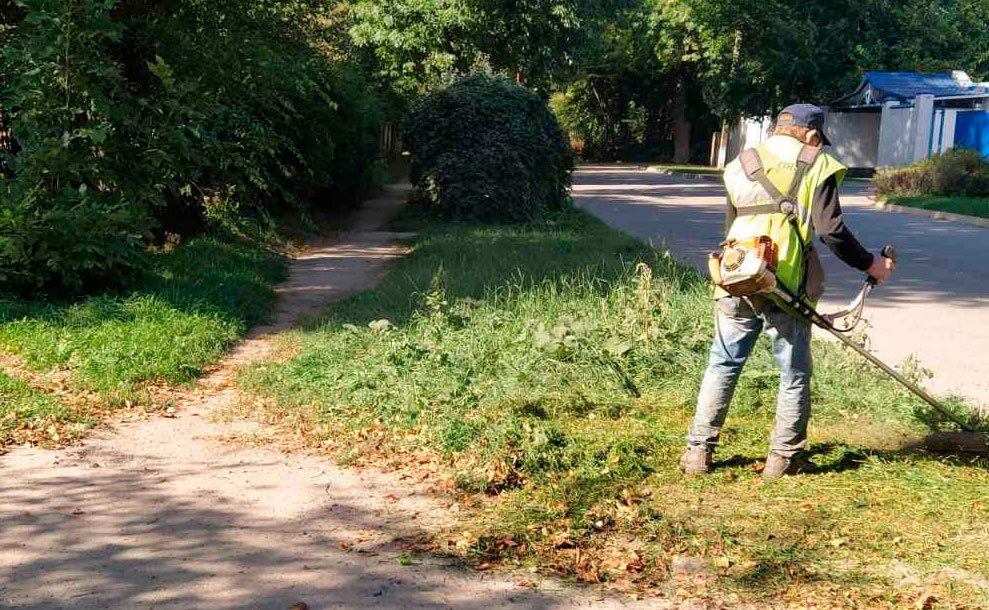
(936, 307)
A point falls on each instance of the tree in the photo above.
(530, 40)
(418, 45)
(127, 119)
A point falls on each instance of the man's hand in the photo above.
(881, 268)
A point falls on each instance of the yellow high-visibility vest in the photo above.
(793, 232)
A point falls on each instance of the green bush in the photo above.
(487, 149)
(958, 171)
(65, 218)
(130, 120)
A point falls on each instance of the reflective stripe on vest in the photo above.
(780, 167)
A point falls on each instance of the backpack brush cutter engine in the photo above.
(761, 281)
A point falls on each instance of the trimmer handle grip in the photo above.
(888, 252)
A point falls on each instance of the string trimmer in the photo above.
(849, 319)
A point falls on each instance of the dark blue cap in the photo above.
(804, 115)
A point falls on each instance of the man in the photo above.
(791, 162)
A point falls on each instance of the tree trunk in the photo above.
(681, 126)
(723, 143)
(6, 143)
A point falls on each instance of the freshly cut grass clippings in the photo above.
(549, 372)
(194, 304)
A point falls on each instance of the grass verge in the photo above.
(27, 415)
(193, 304)
(549, 371)
(967, 206)
(685, 169)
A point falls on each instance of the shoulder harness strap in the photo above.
(755, 171)
(805, 160)
(752, 166)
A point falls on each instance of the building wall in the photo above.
(897, 135)
(942, 130)
(854, 137)
(746, 133)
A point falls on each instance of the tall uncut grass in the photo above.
(552, 369)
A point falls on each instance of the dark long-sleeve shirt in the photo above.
(829, 225)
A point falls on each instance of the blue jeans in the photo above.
(738, 324)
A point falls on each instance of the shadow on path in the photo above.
(181, 513)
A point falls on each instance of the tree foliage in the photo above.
(122, 120)
(746, 57)
(754, 57)
(135, 117)
(421, 45)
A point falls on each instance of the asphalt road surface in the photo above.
(936, 307)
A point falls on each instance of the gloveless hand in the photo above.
(881, 268)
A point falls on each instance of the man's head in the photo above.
(804, 122)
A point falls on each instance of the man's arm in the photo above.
(829, 224)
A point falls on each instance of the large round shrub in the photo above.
(487, 149)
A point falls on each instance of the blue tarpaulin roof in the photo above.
(908, 85)
(879, 87)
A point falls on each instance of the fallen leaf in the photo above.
(563, 540)
(925, 602)
(380, 326)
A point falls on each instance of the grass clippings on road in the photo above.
(966, 206)
(676, 168)
(194, 303)
(552, 368)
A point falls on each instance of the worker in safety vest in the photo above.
(790, 161)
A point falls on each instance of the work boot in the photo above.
(779, 465)
(696, 460)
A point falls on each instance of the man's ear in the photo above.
(813, 137)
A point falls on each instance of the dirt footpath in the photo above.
(165, 514)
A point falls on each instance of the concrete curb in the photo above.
(974, 221)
